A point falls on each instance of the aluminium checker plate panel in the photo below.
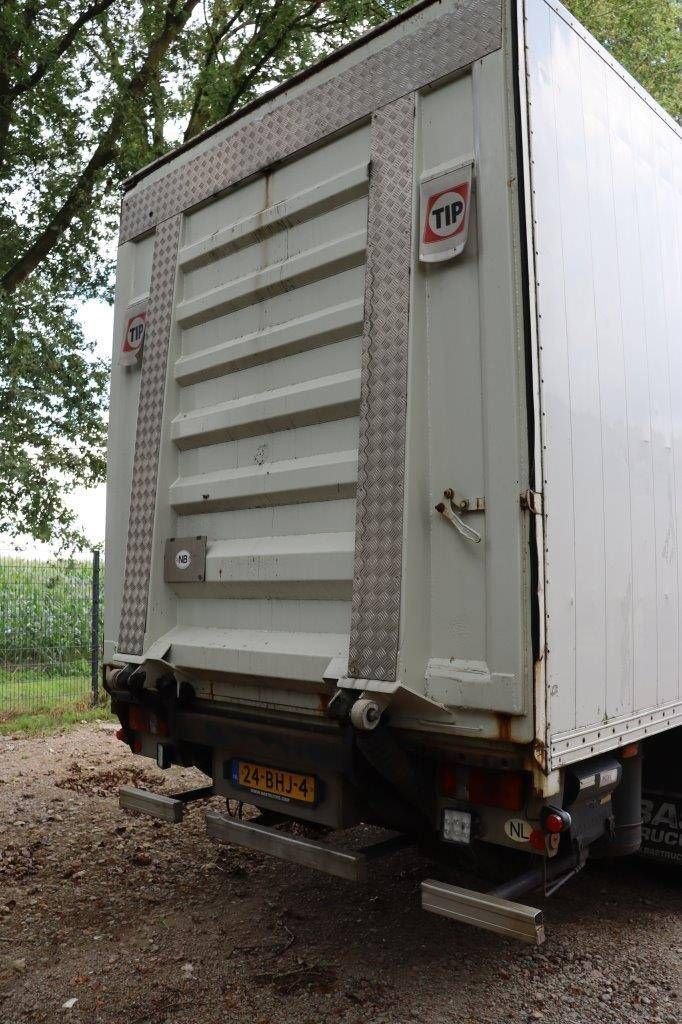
(148, 438)
(375, 609)
(440, 48)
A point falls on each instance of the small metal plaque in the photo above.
(185, 560)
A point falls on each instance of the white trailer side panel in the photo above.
(606, 186)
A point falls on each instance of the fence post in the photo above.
(94, 632)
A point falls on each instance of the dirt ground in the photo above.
(141, 922)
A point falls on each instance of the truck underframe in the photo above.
(333, 774)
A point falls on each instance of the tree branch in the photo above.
(196, 122)
(268, 54)
(193, 125)
(53, 54)
(174, 22)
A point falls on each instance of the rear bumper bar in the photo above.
(344, 864)
(484, 910)
(156, 806)
(167, 808)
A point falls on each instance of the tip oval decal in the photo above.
(133, 338)
(445, 201)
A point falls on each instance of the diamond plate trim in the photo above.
(439, 48)
(148, 438)
(375, 612)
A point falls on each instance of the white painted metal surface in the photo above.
(259, 436)
(606, 176)
(269, 315)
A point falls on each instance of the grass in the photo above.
(43, 723)
(41, 691)
(35, 704)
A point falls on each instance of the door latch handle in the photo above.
(454, 507)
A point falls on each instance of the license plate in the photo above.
(274, 782)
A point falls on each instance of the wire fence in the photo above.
(50, 630)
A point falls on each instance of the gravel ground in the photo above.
(109, 917)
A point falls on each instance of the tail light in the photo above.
(538, 840)
(554, 820)
(482, 787)
(141, 719)
(448, 780)
(496, 789)
(135, 742)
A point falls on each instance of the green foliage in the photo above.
(90, 90)
(52, 429)
(646, 37)
(55, 713)
(45, 617)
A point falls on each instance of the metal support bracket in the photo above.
(457, 505)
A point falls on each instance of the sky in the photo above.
(98, 323)
(97, 319)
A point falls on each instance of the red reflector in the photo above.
(448, 780)
(142, 720)
(138, 718)
(554, 823)
(496, 789)
(631, 750)
(120, 735)
(537, 840)
(157, 725)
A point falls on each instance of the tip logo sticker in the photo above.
(445, 213)
(133, 339)
(445, 202)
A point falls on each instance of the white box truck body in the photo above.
(394, 505)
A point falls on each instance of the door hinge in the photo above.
(531, 501)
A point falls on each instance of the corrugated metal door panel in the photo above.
(455, 383)
(270, 313)
(478, 662)
(259, 332)
(607, 240)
